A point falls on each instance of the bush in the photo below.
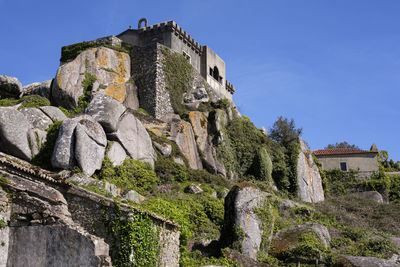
(131, 175)
(29, 101)
(43, 158)
(169, 171)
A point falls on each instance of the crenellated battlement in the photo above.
(229, 87)
(177, 30)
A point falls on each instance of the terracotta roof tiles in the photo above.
(340, 151)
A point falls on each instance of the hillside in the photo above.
(131, 156)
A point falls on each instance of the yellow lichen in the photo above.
(156, 132)
(102, 58)
(117, 91)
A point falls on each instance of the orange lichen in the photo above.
(101, 57)
(156, 131)
(117, 91)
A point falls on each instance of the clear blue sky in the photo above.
(333, 66)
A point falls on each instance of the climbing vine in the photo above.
(135, 238)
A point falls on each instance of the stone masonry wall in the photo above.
(51, 222)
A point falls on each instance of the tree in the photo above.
(284, 131)
(343, 144)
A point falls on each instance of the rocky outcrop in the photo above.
(37, 118)
(357, 261)
(370, 195)
(55, 114)
(116, 153)
(42, 89)
(133, 136)
(241, 223)
(309, 182)
(90, 145)
(14, 136)
(204, 143)
(106, 110)
(110, 68)
(25, 138)
(10, 87)
(164, 148)
(285, 241)
(81, 141)
(182, 134)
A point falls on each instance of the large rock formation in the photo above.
(42, 89)
(133, 136)
(204, 143)
(14, 136)
(309, 182)
(10, 87)
(81, 141)
(241, 222)
(182, 134)
(106, 110)
(110, 68)
(357, 261)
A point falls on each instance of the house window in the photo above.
(343, 166)
(186, 55)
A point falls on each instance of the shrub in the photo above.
(29, 101)
(43, 158)
(131, 175)
(168, 170)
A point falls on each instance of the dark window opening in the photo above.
(216, 73)
(343, 166)
(211, 72)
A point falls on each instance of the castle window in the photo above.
(211, 72)
(215, 73)
(187, 56)
(343, 166)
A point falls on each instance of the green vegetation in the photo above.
(43, 158)
(29, 101)
(248, 152)
(284, 132)
(3, 180)
(343, 144)
(138, 240)
(131, 175)
(179, 76)
(3, 224)
(85, 98)
(70, 52)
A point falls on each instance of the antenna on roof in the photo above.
(140, 23)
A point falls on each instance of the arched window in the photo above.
(216, 73)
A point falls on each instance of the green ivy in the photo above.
(138, 239)
(179, 77)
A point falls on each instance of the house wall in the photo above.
(366, 163)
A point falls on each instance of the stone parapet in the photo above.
(177, 30)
